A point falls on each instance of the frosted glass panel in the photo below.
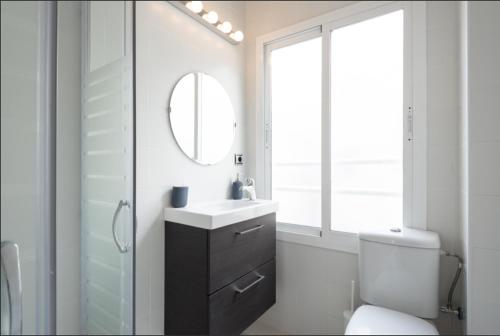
(296, 132)
(106, 30)
(22, 111)
(367, 124)
(107, 169)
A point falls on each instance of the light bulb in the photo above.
(195, 6)
(237, 36)
(211, 17)
(225, 27)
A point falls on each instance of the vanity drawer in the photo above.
(239, 304)
(237, 249)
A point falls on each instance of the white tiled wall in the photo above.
(485, 210)
(169, 45)
(443, 160)
(483, 146)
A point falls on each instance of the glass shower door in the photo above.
(107, 168)
(34, 53)
(27, 162)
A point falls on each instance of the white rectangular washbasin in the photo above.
(216, 214)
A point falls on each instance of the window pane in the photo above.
(296, 132)
(367, 124)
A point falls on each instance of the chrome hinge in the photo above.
(410, 123)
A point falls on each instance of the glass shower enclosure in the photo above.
(67, 167)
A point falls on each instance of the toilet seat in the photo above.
(373, 320)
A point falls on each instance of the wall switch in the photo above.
(238, 159)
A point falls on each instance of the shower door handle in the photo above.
(11, 274)
(122, 247)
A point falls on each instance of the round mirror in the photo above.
(202, 118)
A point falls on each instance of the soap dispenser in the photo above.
(237, 192)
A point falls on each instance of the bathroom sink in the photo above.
(227, 205)
(216, 214)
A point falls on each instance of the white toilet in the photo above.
(399, 282)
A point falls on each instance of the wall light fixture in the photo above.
(210, 19)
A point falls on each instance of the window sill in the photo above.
(313, 236)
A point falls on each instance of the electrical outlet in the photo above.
(238, 159)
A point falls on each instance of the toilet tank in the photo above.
(400, 270)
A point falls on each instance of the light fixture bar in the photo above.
(181, 5)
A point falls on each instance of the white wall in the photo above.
(68, 167)
(169, 45)
(321, 292)
(443, 119)
(313, 287)
(482, 139)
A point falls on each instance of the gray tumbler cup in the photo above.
(179, 197)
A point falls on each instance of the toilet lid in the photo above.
(373, 320)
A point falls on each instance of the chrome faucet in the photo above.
(250, 188)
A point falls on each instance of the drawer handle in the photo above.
(241, 291)
(250, 230)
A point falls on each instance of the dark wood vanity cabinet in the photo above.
(219, 281)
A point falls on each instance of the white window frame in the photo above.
(415, 104)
